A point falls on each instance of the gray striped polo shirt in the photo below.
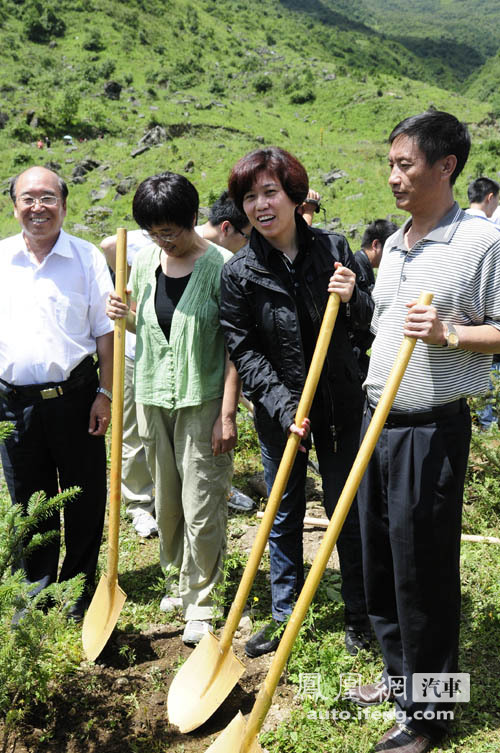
(458, 261)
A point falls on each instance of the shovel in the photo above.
(212, 670)
(107, 603)
(240, 736)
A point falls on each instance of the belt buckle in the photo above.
(50, 392)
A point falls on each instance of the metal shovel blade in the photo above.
(101, 617)
(230, 740)
(208, 676)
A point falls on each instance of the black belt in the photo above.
(420, 418)
(80, 375)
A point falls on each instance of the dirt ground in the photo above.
(119, 704)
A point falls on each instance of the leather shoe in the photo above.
(356, 639)
(402, 739)
(76, 611)
(265, 641)
(369, 695)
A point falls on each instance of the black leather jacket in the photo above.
(261, 327)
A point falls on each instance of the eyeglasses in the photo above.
(162, 237)
(245, 235)
(43, 201)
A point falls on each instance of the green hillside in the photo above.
(213, 78)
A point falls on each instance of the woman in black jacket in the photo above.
(274, 293)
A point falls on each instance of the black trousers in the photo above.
(51, 447)
(410, 506)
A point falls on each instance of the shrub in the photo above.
(301, 97)
(262, 84)
(93, 41)
(38, 649)
(40, 22)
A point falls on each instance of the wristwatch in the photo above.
(106, 392)
(451, 336)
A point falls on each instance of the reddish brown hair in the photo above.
(291, 173)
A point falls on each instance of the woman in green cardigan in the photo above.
(186, 391)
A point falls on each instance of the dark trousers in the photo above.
(410, 506)
(285, 540)
(51, 447)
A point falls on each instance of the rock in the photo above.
(284, 132)
(156, 135)
(103, 168)
(84, 167)
(245, 626)
(258, 484)
(121, 682)
(52, 165)
(126, 185)
(189, 166)
(78, 229)
(260, 139)
(330, 77)
(96, 214)
(112, 89)
(3, 119)
(99, 194)
(334, 175)
(141, 150)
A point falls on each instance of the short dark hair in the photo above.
(437, 134)
(224, 209)
(63, 188)
(167, 197)
(378, 230)
(479, 189)
(291, 173)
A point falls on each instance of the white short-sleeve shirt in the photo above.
(50, 313)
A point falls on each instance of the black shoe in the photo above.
(265, 641)
(76, 612)
(357, 638)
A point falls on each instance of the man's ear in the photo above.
(225, 227)
(448, 165)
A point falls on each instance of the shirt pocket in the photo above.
(72, 313)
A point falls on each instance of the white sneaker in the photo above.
(194, 631)
(239, 501)
(169, 603)
(144, 524)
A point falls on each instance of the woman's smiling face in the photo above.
(269, 208)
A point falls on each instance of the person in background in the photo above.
(367, 259)
(53, 288)
(137, 484)
(186, 392)
(410, 498)
(483, 197)
(274, 294)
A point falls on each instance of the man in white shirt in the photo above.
(53, 288)
(483, 197)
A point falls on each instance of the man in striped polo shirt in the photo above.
(410, 499)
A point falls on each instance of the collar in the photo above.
(62, 246)
(264, 250)
(442, 233)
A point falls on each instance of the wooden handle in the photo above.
(283, 473)
(264, 698)
(117, 412)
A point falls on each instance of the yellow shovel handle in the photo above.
(117, 411)
(283, 473)
(264, 698)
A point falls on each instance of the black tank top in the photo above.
(169, 292)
